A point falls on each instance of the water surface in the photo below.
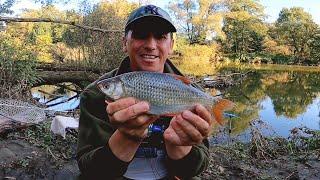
(52, 96)
(282, 98)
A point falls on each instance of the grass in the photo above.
(267, 157)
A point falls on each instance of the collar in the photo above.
(168, 67)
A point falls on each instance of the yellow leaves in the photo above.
(283, 77)
(111, 15)
(271, 46)
(197, 59)
(239, 15)
(43, 40)
(121, 8)
(258, 27)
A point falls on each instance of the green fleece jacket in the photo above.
(94, 156)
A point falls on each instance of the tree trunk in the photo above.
(76, 77)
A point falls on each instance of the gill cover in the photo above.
(112, 88)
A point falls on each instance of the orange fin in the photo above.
(169, 115)
(181, 78)
(219, 107)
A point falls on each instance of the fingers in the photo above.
(135, 133)
(130, 117)
(138, 121)
(170, 136)
(196, 122)
(204, 114)
(175, 134)
(120, 104)
(126, 109)
(135, 130)
(189, 128)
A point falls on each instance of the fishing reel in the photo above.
(155, 129)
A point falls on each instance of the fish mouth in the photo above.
(109, 99)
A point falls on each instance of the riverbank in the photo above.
(35, 153)
(238, 162)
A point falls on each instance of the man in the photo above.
(115, 139)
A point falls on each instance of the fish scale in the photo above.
(164, 89)
(164, 93)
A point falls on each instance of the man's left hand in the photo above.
(187, 129)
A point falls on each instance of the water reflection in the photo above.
(52, 96)
(283, 100)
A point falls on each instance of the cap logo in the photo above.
(152, 10)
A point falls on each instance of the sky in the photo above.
(272, 7)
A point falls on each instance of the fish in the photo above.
(167, 94)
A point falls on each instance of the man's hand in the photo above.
(187, 129)
(130, 118)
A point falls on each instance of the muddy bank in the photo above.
(234, 163)
(295, 157)
(35, 153)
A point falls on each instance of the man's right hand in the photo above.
(130, 117)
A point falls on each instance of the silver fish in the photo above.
(167, 94)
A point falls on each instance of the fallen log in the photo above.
(76, 77)
(68, 67)
(222, 81)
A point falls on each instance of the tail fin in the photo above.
(219, 107)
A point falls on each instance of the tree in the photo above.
(296, 28)
(315, 48)
(17, 67)
(41, 38)
(209, 18)
(184, 11)
(100, 49)
(199, 20)
(244, 28)
(50, 2)
(5, 7)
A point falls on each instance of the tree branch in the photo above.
(72, 23)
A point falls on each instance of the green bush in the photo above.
(17, 68)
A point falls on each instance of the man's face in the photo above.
(147, 51)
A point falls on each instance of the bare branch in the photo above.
(72, 23)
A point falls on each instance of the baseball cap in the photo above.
(150, 16)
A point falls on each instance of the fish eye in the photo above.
(106, 86)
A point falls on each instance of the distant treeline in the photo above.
(235, 27)
(208, 31)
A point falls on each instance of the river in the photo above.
(279, 97)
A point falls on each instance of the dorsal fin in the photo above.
(181, 78)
